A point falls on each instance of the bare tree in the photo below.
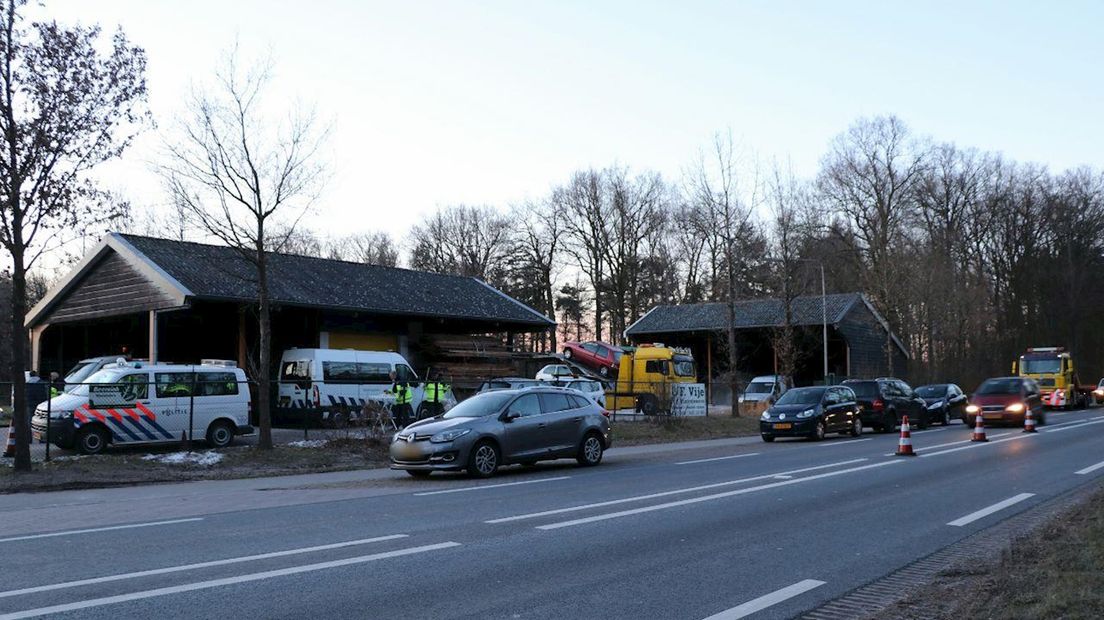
(68, 103)
(374, 248)
(727, 198)
(537, 250)
(587, 227)
(463, 240)
(870, 175)
(246, 178)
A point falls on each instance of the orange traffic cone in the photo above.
(979, 430)
(9, 451)
(904, 444)
(1029, 422)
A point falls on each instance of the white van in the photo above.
(139, 403)
(339, 382)
(767, 388)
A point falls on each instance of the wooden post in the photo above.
(153, 336)
(708, 371)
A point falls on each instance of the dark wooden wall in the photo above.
(112, 287)
(867, 340)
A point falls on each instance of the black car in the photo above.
(812, 412)
(885, 401)
(945, 401)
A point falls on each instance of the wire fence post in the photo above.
(49, 418)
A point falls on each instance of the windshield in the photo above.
(759, 388)
(932, 391)
(295, 370)
(866, 389)
(802, 396)
(999, 386)
(479, 405)
(80, 372)
(1044, 366)
(684, 366)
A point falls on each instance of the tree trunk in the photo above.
(20, 421)
(264, 414)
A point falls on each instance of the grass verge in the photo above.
(126, 468)
(1055, 572)
(635, 433)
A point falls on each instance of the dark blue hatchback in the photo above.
(812, 412)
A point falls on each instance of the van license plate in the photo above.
(783, 427)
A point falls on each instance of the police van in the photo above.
(339, 382)
(138, 403)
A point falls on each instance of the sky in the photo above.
(434, 103)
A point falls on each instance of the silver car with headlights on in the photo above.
(504, 427)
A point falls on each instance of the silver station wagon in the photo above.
(504, 427)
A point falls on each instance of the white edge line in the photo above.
(491, 486)
(1089, 469)
(706, 498)
(214, 583)
(767, 600)
(198, 565)
(980, 444)
(718, 458)
(985, 512)
(1066, 428)
(638, 498)
(99, 529)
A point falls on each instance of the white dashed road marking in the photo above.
(99, 529)
(767, 600)
(985, 512)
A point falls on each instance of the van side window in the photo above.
(135, 386)
(373, 373)
(404, 373)
(216, 384)
(173, 384)
(339, 372)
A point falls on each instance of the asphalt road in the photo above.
(720, 529)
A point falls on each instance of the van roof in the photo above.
(297, 354)
(171, 367)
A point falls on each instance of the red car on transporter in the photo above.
(1005, 400)
(601, 356)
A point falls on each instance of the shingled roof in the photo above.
(197, 271)
(750, 314)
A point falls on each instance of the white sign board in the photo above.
(688, 399)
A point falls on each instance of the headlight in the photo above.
(936, 405)
(447, 436)
(972, 409)
(1015, 408)
(765, 416)
(808, 413)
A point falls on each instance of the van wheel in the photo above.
(339, 419)
(219, 434)
(92, 440)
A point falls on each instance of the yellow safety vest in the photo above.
(402, 394)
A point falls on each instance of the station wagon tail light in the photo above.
(877, 405)
(606, 413)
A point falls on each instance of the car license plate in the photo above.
(993, 416)
(782, 427)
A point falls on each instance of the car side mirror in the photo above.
(510, 416)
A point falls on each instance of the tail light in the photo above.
(878, 405)
(606, 412)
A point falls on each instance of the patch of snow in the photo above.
(309, 443)
(206, 459)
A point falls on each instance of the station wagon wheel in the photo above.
(856, 426)
(590, 451)
(483, 461)
(220, 434)
(91, 440)
(567, 354)
(946, 417)
(603, 371)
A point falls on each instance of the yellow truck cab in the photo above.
(1052, 368)
(645, 378)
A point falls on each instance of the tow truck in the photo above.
(1052, 368)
